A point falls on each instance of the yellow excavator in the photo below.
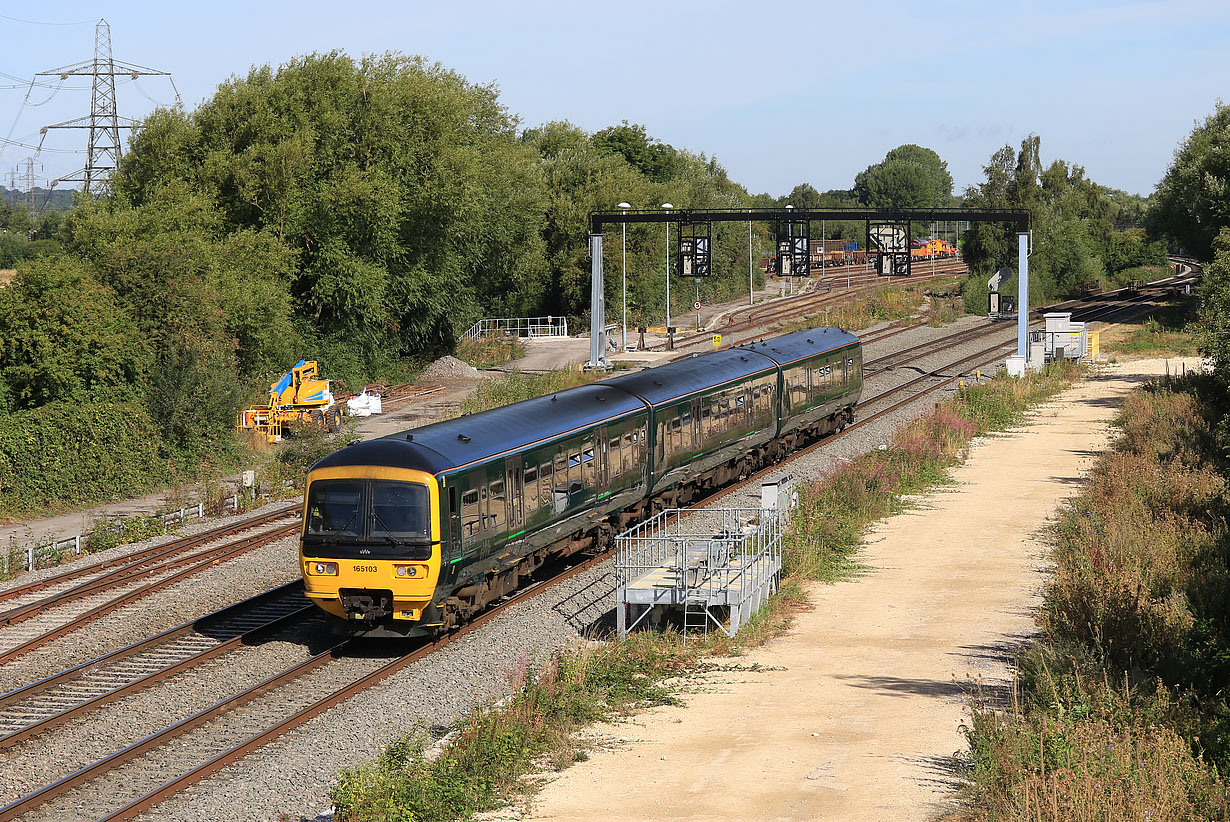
(298, 397)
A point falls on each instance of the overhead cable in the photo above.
(43, 22)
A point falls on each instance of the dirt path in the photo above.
(859, 711)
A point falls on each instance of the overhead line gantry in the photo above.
(881, 229)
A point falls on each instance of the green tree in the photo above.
(399, 188)
(656, 160)
(1071, 222)
(1192, 202)
(64, 337)
(1215, 313)
(179, 272)
(910, 176)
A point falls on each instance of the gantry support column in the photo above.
(597, 307)
(1022, 295)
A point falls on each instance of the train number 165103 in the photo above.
(369, 569)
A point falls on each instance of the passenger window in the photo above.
(485, 507)
(545, 483)
(574, 471)
(470, 514)
(531, 489)
(497, 505)
(589, 467)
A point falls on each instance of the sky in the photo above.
(780, 93)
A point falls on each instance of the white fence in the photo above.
(519, 327)
(709, 563)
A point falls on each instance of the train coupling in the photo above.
(365, 605)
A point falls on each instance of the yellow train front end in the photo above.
(370, 548)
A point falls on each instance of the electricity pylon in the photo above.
(103, 121)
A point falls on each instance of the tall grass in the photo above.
(487, 352)
(1124, 706)
(1169, 330)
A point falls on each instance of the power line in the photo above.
(38, 148)
(43, 23)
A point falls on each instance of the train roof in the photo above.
(795, 346)
(478, 437)
(683, 377)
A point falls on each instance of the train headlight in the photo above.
(407, 570)
(323, 568)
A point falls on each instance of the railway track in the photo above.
(74, 598)
(114, 568)
(41, 705)
(130, 781)
(759, 319)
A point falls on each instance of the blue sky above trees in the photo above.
(781, 94)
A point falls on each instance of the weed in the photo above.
(483, 761)
(494, 392)
(487, 352)
(107, 532)
(1170, 330)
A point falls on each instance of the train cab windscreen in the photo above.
(367, 519)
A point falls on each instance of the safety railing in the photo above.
(700, 560)
(519, 327)
(38, 554)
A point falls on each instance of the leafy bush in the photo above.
(67, 453)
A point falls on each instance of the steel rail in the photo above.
(131, 752)
(26, 691)
(109, 565)
(229, 552)
(150, 566)
(793, 306)
(157, 674)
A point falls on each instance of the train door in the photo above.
(514, 480)
(453, 511)
(602, 453)
(696, 443)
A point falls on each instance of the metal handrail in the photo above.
(519, 327)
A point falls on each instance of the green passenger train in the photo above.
(414, 533)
